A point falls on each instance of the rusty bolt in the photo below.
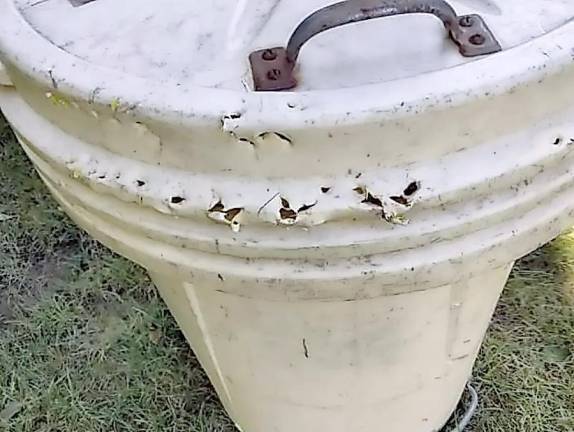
(274, 74)
(466, 21)
(477, 39)
(269, 55)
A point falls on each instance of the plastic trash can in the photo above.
(332, 222)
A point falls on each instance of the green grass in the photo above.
(86, 344)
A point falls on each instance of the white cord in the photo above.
(470, 412)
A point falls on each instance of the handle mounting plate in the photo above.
(273, 69)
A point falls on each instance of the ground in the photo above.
(87, 345)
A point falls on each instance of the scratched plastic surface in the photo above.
(333, 254)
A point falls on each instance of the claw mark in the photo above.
(267, 203)
(288, 216)
(388, 214)
(401, 200)
(54, 82)
(305, 348)
(372, 200)
(306, 207)
(278, 135)
(231, 214)
(231, 217)
(247, 141)
(217, 207)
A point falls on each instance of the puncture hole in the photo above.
(177, 200)
(400, 200)
(412, 188)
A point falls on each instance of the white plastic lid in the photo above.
(207, 43)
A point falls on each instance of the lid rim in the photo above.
(44, 62)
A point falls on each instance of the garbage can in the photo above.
(329, 215)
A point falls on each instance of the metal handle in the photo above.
(273, 67)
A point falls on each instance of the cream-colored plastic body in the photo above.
(333, 257)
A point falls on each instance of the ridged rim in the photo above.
(22, 47)
(472, 208)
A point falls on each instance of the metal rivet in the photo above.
(477, 39)
(466, 21)
(274, 74)
(269, 55)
